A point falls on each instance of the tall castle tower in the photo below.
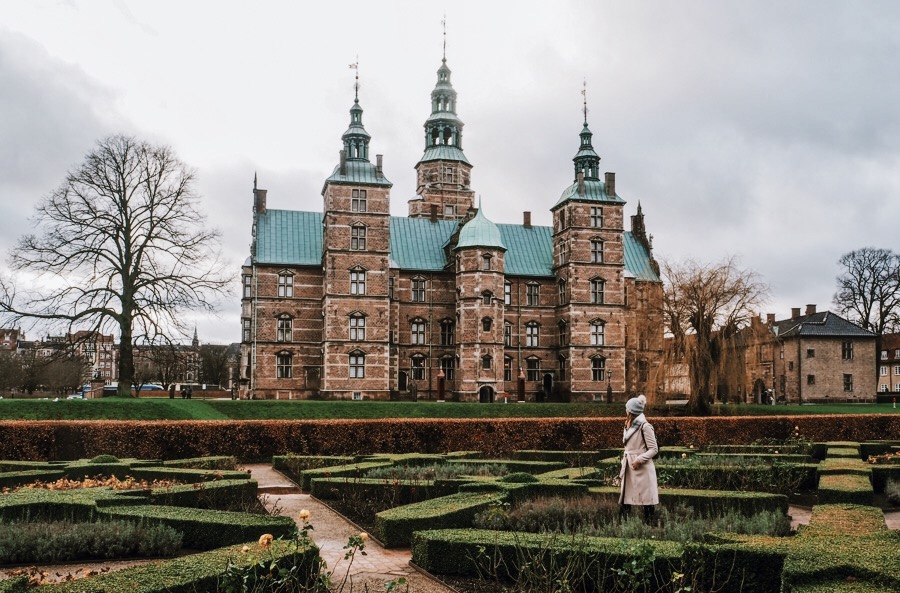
(588, 263)
(443, 173)
(355, 264)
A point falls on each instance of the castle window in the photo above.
(285, 329)
(507, 293)
(562, 256)
(485, 262)
(486, 324)
(357, 281)
(598, 288)
(847, 350)
(598, 333)
(848, 382)
(357, 327)
(486, 297)
(358, 237)
(285, 285)
(810, 353)
(507, 368)
(598, 368)
(447, 330)
(507, 334)
(643, 370)
(357, 365)
(358, 201)
(448, 365)
(248, 289)
(562, 219)
(417, 363)
(532, 335)
(562, 368)
(448, 174)
(562, 292)
(533, 369)
(283, 365)
(449, 210)
(486, 362)
(883, 371)
(391, 288)
(810, 379)
(245, 330)
(596, 217)
(417, 331)
(563, 333)
(597, 252)
(418, 290)
(532, 295)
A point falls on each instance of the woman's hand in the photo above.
(637, 463)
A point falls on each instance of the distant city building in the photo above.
(888, 364)
(353, 303)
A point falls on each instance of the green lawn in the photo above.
(114, 408)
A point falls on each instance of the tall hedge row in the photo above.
(261, 439)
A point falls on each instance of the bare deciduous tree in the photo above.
(869, 289)
(120, 246)
(705, 306)
(214, 364)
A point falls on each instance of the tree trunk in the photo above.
(126, 356)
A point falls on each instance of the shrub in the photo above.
(892, 492)
(519, 478)
(105, 458)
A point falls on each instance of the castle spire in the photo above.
(443, 128)
(586, 160)
(356, 139)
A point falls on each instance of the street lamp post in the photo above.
(609, 387)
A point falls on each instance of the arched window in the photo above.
(357, 364)
(448, 365)
(486, 297)
(598, 368)
(533, 369)
(507, 333)
(358, 237)
(486, 361)
(562, 368)
(357, 327)
(284, 365)
(357, 281)
(486, 324)
(284, 332)
(563, 294)
(417, 366)
(447, 332)
(507, 368)
(563, 333)
(417, 331)
(598, 333)
(485, 262)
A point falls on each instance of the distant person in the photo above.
(183, 392)
(190, 392)
(637, 477)
(171, 391)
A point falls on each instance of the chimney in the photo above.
(610, 184)
(434, 212)
(770, 318)
(795, 312)
(343, 170)
(378, 172)
(259, 201)
(810, 309)
(526, 220)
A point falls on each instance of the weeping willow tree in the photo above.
(708, 311)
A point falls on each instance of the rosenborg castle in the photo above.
(349, 302)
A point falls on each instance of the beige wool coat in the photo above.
(638, 486)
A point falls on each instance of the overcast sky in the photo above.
(766, 130)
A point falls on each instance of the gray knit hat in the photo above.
(636, 404)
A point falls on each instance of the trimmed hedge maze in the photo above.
(201, 498)
(417, 501)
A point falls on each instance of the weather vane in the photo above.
(355, 66)
(584, 94)
(444, 24)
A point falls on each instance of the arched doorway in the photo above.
(547, 386)
(760, 393)
(402, 381)
(486, 394)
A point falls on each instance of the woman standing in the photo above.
(638, 474)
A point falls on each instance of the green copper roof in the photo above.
(418, 243)
(362, 172)
(637, 260)
(480, 232)
(594, 191)
(529, 251)
(444, 153)
(289, 237)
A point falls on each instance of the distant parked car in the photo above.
(151, 387)
(76, 396)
